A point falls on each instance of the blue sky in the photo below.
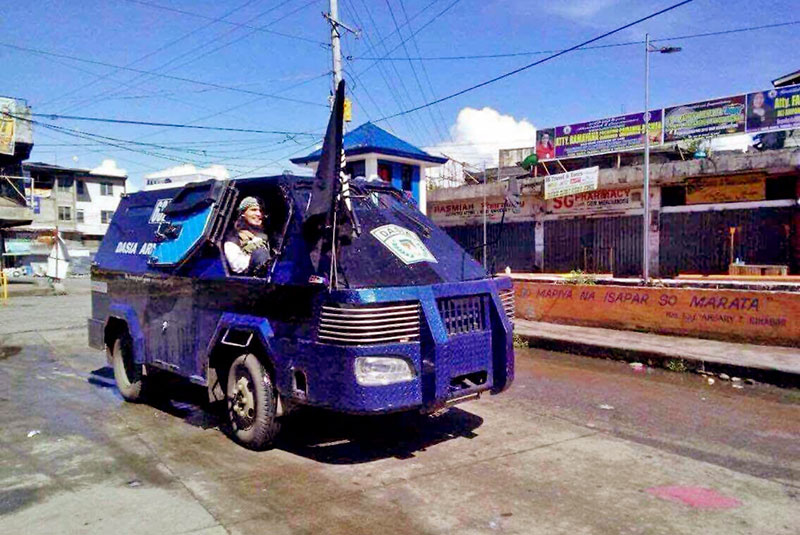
(187, 41)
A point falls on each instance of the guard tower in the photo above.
(375, 154)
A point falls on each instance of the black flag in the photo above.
(319, 217)
(326, 180)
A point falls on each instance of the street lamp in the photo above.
(648, 48)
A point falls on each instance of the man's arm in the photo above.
(238, 260)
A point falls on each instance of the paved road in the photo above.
(576, 446)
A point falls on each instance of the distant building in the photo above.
(182, 175)
(16, 142)
(375, 154)
(76, 203)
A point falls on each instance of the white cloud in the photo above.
(188, 170)
(109, 168)
(478, 135)
(578, 9)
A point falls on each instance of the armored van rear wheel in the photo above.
(252, 403)
(127, 373)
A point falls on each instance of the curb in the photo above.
(661, 359)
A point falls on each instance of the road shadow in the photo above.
(335, 438)
(322, 435)
(170, 395)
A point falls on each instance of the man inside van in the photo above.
(247, 246)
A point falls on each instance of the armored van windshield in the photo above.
(239, 287)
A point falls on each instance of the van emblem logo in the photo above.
(403, 243)
(158, 216)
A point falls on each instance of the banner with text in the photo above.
(469, 211)
(716, 189)
(606, 135)
(707, 118)
(571, 183)
(602, 200)
(775, 109)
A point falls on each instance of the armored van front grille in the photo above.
(463, 314)
(507, 297)
(369, 324)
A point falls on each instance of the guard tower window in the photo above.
(407, 176)
(355, 169)
(385, 172)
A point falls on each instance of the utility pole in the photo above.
(646, 181)
(484, 214)
(648, 48)
(336, 47)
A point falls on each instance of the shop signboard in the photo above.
(18, 246)
(602, 136)
(602, 200)
(7, 124)
(720, 189)
(773, 109)
(571, 183)
(470, 211)
(707, 118)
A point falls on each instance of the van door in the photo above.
(196, 216)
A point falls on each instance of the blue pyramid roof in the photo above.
(370, 138)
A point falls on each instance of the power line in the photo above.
(87, 136)
(415, 15)
(442, 12)
(160, 75)
(383, 73)
(191, 52)
(416, 76)
(237, 24)
(548, 58)
(398, 89)
(273, 162)
(54, 116)
(612, 45)
(244, 104)
(427, 76)
(149, 54)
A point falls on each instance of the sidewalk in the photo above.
(40, 286)
(640, 346)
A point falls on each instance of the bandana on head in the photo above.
(246, 203)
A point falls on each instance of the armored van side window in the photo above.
(256, 231)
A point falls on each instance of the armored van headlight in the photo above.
(375, 371)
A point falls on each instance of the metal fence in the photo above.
(602, 245)
(700, 242)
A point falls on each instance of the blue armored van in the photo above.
(349, 298)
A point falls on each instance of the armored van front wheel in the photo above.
(252, 403)
(127, 373)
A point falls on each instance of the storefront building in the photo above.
(705, 214)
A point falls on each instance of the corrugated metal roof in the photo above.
(370, 138)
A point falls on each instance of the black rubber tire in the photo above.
(127, 374)
(257, 428)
